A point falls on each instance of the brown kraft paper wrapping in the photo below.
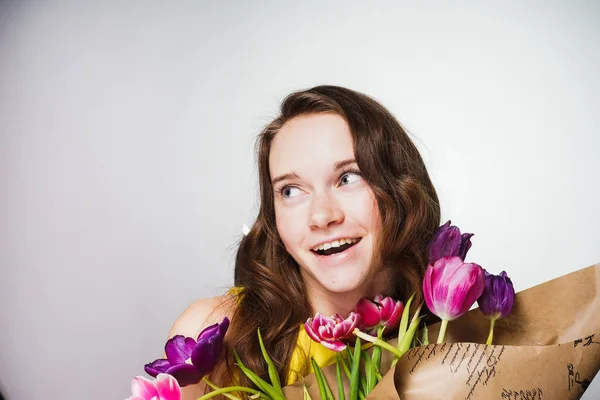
(547, 348)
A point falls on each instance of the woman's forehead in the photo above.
(310, 141)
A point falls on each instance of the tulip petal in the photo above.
(451, 286)
(330, 330)
(223, 327)
(441, 279)
(309, 330)
(393, 320)
(143, 388)
(386, 307)
(428, 290)
(178, 349)
(206, 354)
(157, 367)
(186, 374)
(447, 241)
(335, 345)
(466, 285)
(465, 245)
(498, 295)
(341, 331)
(167, 387)
(369, 313)
(209, 331)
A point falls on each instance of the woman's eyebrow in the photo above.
(291, 175)
(343, 163)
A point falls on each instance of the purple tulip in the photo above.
(189, 360)
(382, 311)
(447, 241)
(331, 331)
(498, 296)
(450, 288)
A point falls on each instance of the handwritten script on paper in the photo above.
(477, 362)
(575, 382)
(527, 394)
(587, 341)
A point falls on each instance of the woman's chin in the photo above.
(344, 287)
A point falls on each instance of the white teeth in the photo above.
(335, 243)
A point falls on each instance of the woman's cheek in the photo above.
(289, 227)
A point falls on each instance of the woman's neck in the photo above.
(331, 303)
(328, 303)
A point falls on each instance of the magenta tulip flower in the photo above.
(451, 287)
(164, 387)
(189, 360)
(385, 312)
(447, 241)
(497, 298)
(331, 331)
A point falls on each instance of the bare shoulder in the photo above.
(203, 313)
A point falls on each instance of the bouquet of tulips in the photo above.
(409, 367)
(450, 287)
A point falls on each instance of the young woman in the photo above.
(347, 210)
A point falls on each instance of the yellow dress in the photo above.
(306, 348)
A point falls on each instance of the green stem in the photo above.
(491, 335)
(442, 331)
(227, 390)
(215, 387)
(377, 342)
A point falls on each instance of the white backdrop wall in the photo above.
(127, 165)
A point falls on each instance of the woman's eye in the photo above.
(349, 177)
(290, 191)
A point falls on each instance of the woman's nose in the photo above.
(324, 211)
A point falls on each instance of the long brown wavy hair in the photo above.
(274, 296)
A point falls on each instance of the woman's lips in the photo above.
(337, 258)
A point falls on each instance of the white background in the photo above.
(127, 165)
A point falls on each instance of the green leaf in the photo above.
(273, 375)
(340, 381)
(324, 389)
(371, 379)
(260, 383)
(349, 355)
(404, 344)
(354, 371)
(425, 336)
(405, 317)
(344, 363)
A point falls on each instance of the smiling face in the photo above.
(326, 213)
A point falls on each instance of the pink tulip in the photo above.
(382, 311)
(164, 387)
(330, 331)
(451, 287)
